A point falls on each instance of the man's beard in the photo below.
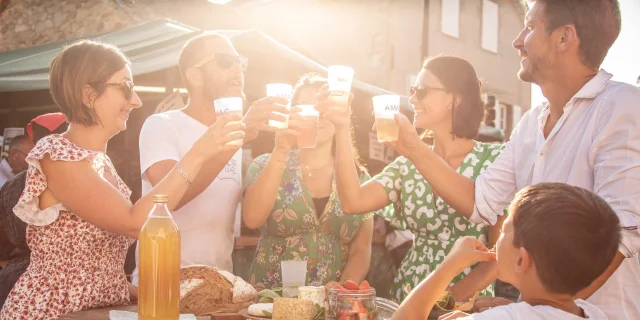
(536, 67)
(209, 90)
(213, 92)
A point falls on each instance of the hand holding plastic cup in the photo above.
(281, 90)
(310, 117)
(385, 107)
(224, 106)
(294, 274)
(339, 80)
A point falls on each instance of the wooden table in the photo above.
(103, 314)
(244, 242)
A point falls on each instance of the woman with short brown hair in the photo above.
(80, 221)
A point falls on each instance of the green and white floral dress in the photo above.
(294, 230)
(436, 226)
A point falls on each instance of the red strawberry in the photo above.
(358, 307)
(364, 285)
(350, 285)
(346, 314)
(340, 288)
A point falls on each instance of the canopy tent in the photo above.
(156, 45)
(151, 47)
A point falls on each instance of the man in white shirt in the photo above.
(587, 135)
(210, 68)
(557, 239)
(19, 148)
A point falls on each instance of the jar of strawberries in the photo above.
(351, 301)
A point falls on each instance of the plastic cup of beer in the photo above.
(294, 275)
(385, 107)
(226, 106)
(281, 90)
(339, 80)
(308, 137)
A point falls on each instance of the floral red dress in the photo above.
(74, 264)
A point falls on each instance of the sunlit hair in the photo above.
(316, 81)
(597, 23)
(459, 78)
(194, 50)
(83, 63)
(564, 227)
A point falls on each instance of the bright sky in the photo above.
(623, 60)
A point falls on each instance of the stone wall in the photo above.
(27, 23)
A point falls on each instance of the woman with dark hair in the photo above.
(447, 103)
(291, 197)
(80, 221)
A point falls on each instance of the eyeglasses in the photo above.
(421, 91)
(125, 87)
(224, 61)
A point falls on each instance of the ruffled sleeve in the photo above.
(59, 149)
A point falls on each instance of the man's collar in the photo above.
(595, 86)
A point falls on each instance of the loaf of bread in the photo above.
(204, 290)
(242, 291)
(293, 309)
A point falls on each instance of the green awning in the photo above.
(151, 47)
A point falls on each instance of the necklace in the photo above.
(310, 169)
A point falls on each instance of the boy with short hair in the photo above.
(555, 242)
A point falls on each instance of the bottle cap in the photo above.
(160, 198)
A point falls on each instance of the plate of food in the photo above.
(447, 304)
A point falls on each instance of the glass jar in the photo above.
(386, 308)
(351, 305)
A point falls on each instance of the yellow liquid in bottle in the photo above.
(159, 270)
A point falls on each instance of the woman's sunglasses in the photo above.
(224, 61)
(422, 90)
(125, 87)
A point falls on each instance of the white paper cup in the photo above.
(385, 107)
(339, 80)
(224, 106)
(294, 274)
(281, 90)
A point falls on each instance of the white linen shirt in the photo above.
(525, 311)
(595, 145)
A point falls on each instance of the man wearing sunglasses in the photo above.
(210, 68)
(19, 147)
(587, 135)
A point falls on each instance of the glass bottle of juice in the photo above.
(159, 265)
